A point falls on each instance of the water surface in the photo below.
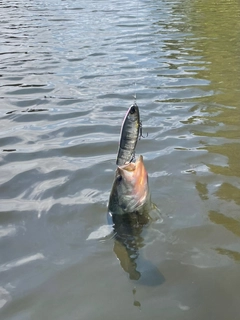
(68, 72)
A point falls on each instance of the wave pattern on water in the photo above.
(69, 70)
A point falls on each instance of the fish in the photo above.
(129, 135)
(130, 212)
(130, 190)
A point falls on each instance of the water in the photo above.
(68, 72)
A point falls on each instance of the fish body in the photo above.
(130, 191)
(130, 209)
(129, 136)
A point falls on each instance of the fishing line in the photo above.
(136, 47)
(135, 96)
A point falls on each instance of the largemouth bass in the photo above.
(129, 136)
(130, 211)
(130, 190)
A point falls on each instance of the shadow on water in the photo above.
(128, 241)
(219, 131)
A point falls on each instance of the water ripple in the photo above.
(20, 262)
(69, 70)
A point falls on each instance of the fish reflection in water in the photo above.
(128, 240)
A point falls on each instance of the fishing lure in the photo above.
(131, 127)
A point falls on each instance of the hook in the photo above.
(141, 132)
